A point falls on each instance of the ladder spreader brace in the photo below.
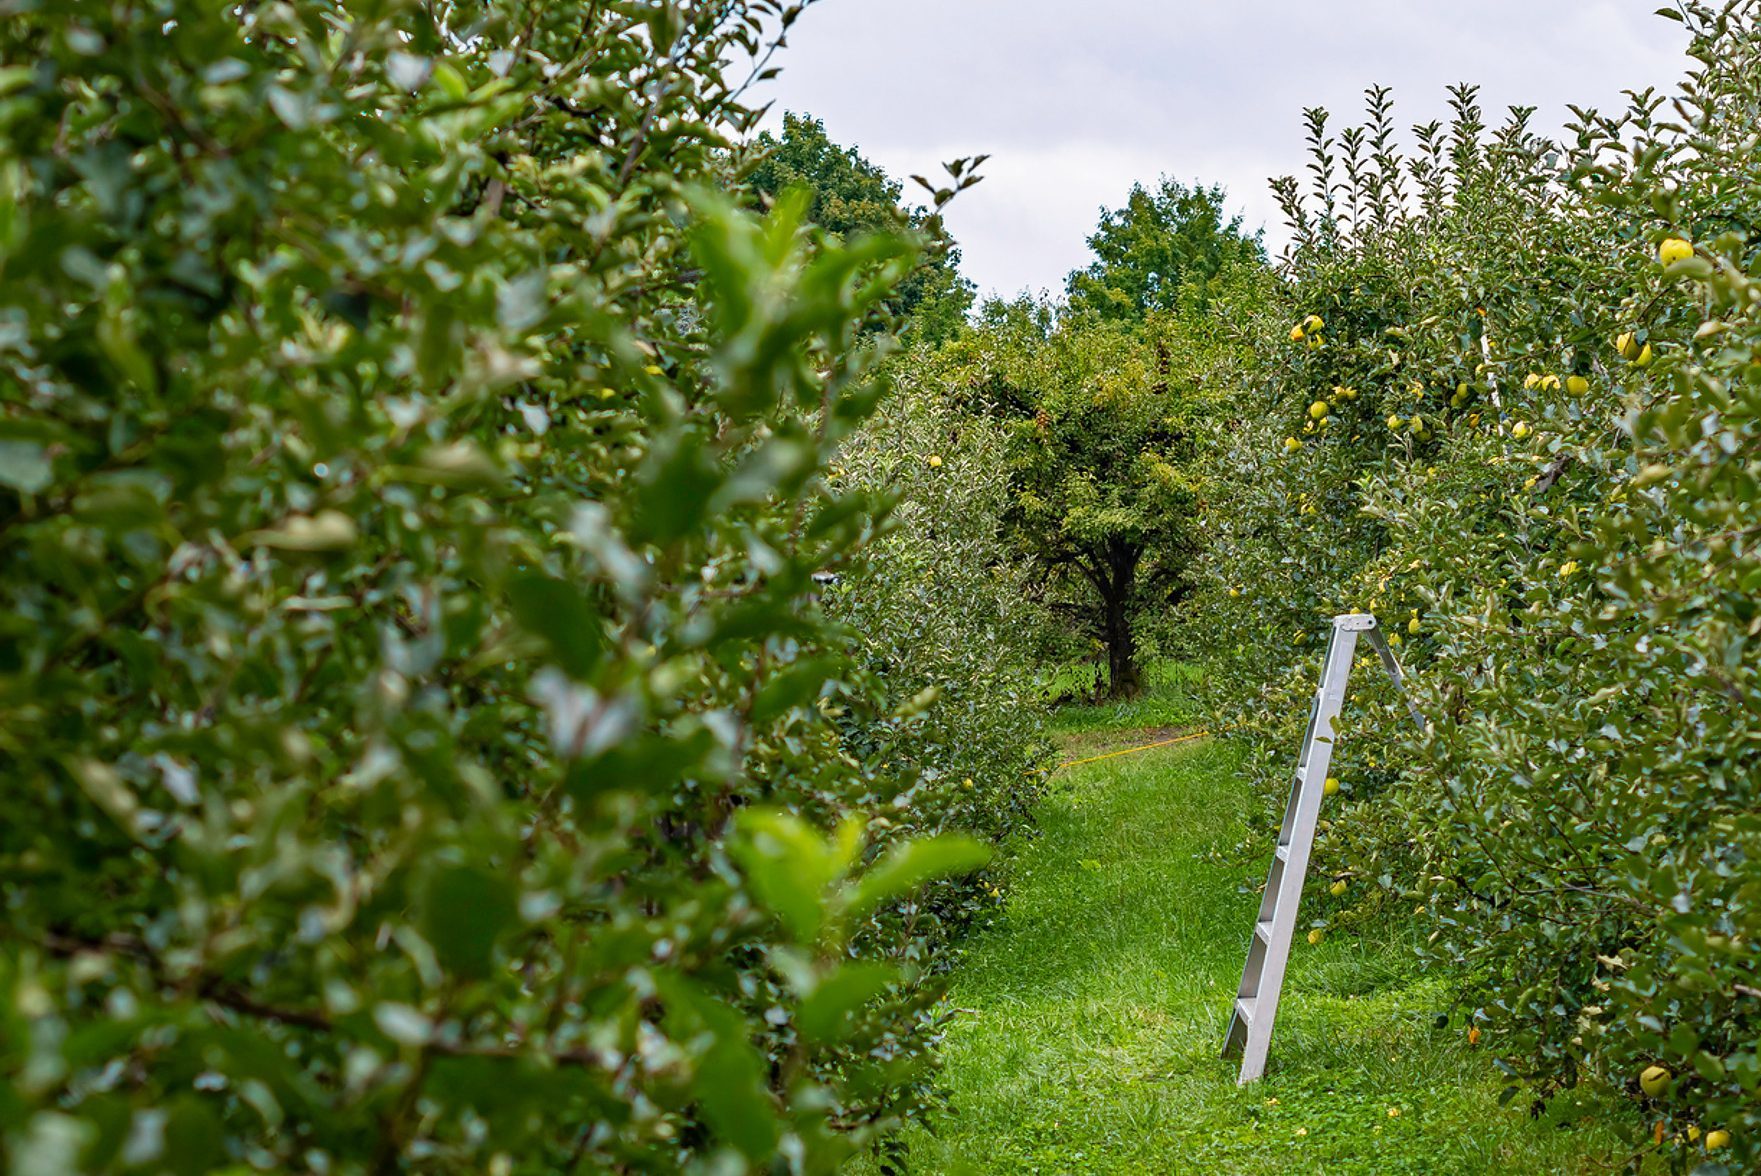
(1256, 1002)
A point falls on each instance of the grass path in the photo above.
(1095, 1007)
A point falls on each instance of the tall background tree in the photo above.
(1164, 250)
(851, 196)
(1108, 400)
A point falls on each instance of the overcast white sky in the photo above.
(1075, 101)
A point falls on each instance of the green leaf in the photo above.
(407, 71)
(116, 333)
(730, 1086)
(451, 82)
(826, 1012)
(911, 865)
(796, 685)
(465, 911)
(291, 106)
(51, 1146)
(729, 1082)
(674, 496)
(788, 867)
(560, 613)
(192, 1136)
(1709, 1066)
(918, 703)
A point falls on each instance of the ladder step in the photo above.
(1244, 1008)
(1263, 929)
(1282, 853)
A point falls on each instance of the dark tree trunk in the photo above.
(1114, 575)
(1123, 680)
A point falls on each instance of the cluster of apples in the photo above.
(1654, 1081)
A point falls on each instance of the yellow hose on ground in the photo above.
(1095, 759)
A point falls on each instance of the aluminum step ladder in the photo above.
(1256, 1002)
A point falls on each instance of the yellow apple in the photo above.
(1674, 249)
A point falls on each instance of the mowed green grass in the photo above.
(1093, 1011)
(1169, 698)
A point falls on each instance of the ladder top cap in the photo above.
(1354, 622)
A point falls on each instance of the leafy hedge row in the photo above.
(1514, 408)
(942, 603)
(417, 706)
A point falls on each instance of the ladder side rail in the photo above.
(1392, 665)
(1274, 875)
(1261, 942)
(1305, 811)
(1308, 739)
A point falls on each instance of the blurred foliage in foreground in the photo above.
(423, 743)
